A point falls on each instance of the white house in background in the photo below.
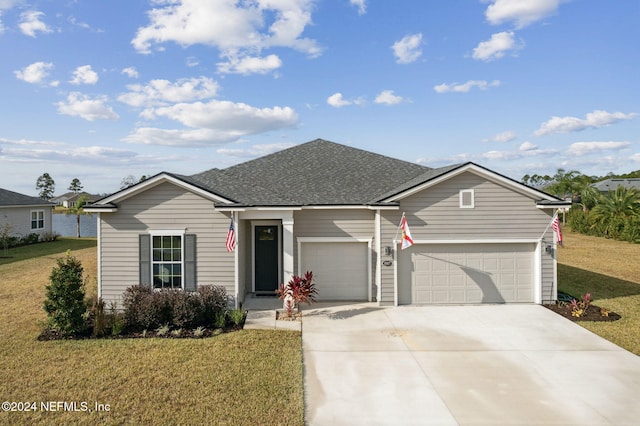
(70, 198)
(24, 214)
(479, 236)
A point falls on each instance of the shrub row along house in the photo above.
(23, 215)
(479, 237)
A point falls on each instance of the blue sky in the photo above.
(99, 90)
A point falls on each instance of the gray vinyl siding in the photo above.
(499, 213)
(548, 273)
(389, 222)
(19, 218)
(163, 207)
(338, 223)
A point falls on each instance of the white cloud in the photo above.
(84, 75)
(250, 65)
(506, 136)
(214, 122)
(35, 73)
(361, 5)
(584, 148)
(255, 150)
(528, 146)
(192, 61)
(592, 120)
(465, 87)
(30, 23)
(337, 100)
(407, 49)
(229, 116)
(131, 72)
(229, 25)
(496, 46)
(522, 12)
(83, 106)
(387, 97)
(162, 92)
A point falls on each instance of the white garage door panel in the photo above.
(339, 269)
(472, 273)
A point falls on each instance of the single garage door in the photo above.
(339, 269)
(472, 273)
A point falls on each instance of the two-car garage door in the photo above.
(340, 269)
(467, 273)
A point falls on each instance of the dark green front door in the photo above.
(266, 258)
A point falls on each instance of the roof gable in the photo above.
(436, 176)
(111, 200)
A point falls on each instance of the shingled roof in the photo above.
(15, 199)
(314, 173)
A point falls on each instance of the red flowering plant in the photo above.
(298, 289)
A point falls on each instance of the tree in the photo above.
(78, 210)
(131, 180)
(46, 185)
(64, 303)
(621, 203)
(75, 186)
(5, 236)
(564, 183)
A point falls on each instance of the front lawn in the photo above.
(57, 247)
(244, 377)
(610, 271)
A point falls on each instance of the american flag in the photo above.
(231, 237)
(406, 241)
(555, 225)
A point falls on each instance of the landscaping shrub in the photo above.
(617, 228)
(147, 309)
(186, 308)
(213, 300)
(64, 303)
(97, 317)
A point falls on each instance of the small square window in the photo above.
(467, 199)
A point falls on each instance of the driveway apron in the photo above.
(462, 365)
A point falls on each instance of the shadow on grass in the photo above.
(577, 282)
(49, 248)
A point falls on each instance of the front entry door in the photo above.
(266, 258)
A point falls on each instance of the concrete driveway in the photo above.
(448, 365)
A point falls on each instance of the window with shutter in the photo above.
(168, 260)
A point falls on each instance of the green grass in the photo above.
(610, 271)
(58, 247)
(245, 377)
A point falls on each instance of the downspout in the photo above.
(236, 258)
(99, 235)
(378, 248)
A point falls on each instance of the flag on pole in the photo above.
(555, 225)
(231, 237)
(406, 240)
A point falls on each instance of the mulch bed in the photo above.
(184, 334)
(592, 313)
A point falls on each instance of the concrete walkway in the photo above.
(462, 365)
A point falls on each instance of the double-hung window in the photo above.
(37, 219)
(167, 261)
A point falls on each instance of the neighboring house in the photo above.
(607, 185)
(480, 237)
(24, 214)
(69, 199)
